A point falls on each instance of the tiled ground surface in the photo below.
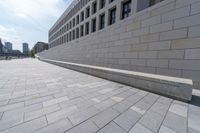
(39, 97)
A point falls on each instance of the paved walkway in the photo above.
(42, 98)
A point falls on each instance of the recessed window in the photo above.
(94, 25)
(77, 32)
(74, 22)
(94, 7)
(143, 4)
(87, 12)
(73, 33)
(101, 21)
(70, 24)
(67, 37)
(112, 16)
(70, 36)
(82, 16)
(82, 30)
(77, 19)
(126, 9)
(102, 3)
(87, 28)
(111, 1)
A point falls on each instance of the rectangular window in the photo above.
(111, 1)
(77, 19)
(126, 9)
(94, 7)
(73, 34)
(67, 26)
(143, 4)
(77, 32)
(82, 30)
(102, 21)
(67, 37)
(94, 25)
(102, 3)
(70, 24)
(70, 36)
(74, 22)
(87, 12)
(112, 16)
(87, 28)
(82, 16)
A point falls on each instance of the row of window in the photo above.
(125, 12)
(76, 8)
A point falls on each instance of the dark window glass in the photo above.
(87, 12)
(77, 19)
(112, 16)
(94, 25)
(73, 34)
(70, 36)
(74, 22)
(82, 16)
(126, 9)
(82, 30)
(94, 7)
(102, 3)
(102, 21)
(111, 1)
(77, 32)
(87, 28)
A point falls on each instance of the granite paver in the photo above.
(43, 98)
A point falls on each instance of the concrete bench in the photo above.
(177, 88)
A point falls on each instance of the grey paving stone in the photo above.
(105, 104)
(138, 128)
(55, 101)
(29, 126)
(152, 120)
(11, 106)
(194, 118)
(85, 127)
(38, 113)
(38, 100)
(57, 127)
(176, 122)
(122, 106)
(164, 129)
(10, 119)
(160, 108)
(112, 128)
(128, 119)
(179, 109)
(104, 117)
(61, 114)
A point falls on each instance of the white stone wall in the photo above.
(162, 39)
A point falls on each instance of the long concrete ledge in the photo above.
(177, 88)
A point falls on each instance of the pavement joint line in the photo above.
(144, 113)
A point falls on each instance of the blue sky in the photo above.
(29, 20)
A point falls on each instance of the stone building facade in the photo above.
(153, 36)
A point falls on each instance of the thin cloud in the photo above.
(29, 20)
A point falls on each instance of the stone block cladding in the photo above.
(161, 39)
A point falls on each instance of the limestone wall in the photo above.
(162, 39)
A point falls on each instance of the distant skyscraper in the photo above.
(25, 48)
(1, 47)
(8, 46)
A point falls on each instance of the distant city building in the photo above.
(8, 46)
(25, 49)
(40, 46)
(1, 47)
